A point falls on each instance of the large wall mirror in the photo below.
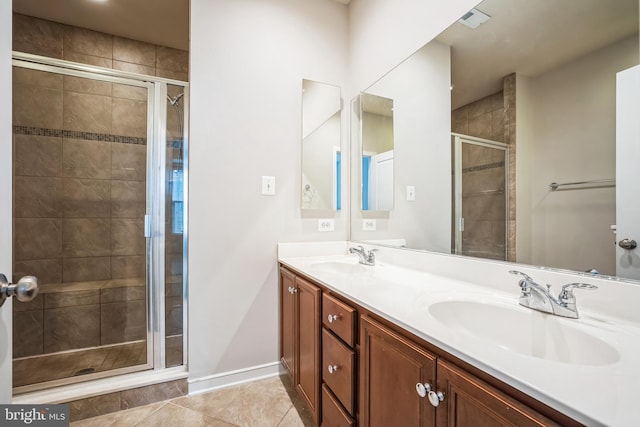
(505, 137)
(321, 155)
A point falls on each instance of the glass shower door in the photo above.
(480, 197)
(80, 199)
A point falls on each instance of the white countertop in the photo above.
(594, 394)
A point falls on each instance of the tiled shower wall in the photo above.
(80, 184)
(492, 118)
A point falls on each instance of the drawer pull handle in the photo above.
(332, 317)
(424, 390)
(333, 369)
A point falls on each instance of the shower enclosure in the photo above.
(480, 175)
(100, 172)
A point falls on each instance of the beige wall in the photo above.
(573, 139)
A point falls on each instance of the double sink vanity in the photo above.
(425, 339)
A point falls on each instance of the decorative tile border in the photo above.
(483, 167)
(92, 136)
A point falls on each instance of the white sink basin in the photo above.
(341, 267)
(525, 331)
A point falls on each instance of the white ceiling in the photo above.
(530, 37)
(163, 22)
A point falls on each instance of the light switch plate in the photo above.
(411, 193)
(326, 224)
(369, 225)
(269, 185)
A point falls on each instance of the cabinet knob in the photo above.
(424, 390)
(332, 317)
(332, 369)
(292, 290)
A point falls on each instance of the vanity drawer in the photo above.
(338, 363)
(333, 415)
(339, 318)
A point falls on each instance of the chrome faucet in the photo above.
(539, 298)
(366, 257)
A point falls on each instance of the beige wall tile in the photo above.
(86, 237)
(128, 267)
(130, 92)
(37, 106)
(128, 199)
(134, 68)
(37, 36)
(94, 406)
(37, 78)
(83, 85)
(128, 162)
(71, 298)
(129, 117)
(86, 269)
(480, 126)
(87, 112)
(29, 341)
(172, 59)
(37, 197)
(37, 155)
(86, 159)
(46, 270)
(144, 395)
(86, 198)
(37, 238)
(123, 294)
(123, 321)
(89, 42)
(133, 51)
(182, 76)
(83, 58)
(127, 237)
(71, 327)
(35, 304)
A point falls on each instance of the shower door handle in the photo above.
(25, 290)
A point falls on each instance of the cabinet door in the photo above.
(308, 336)
(469, 401)
(390, 368)
(287, 323)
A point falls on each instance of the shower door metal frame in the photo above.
(155, 205)
(458, 220)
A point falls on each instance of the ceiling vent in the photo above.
(474, 18)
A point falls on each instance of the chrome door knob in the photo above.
(25, 290)
(627, 244)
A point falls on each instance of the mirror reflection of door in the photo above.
(480, 200)
(321, 135)
(377, 153)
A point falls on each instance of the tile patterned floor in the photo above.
(263, 403)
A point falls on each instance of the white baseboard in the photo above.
(231, 378)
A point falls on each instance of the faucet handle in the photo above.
(526, 278)
(567, 290)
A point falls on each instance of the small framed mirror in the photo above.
(321, 146)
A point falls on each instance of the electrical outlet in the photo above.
(369, 225)
(269, 185)
(411, 193)
(325, 224)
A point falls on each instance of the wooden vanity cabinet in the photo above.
(300, 337)
(390, 367)
(469, 401)
(377, 367)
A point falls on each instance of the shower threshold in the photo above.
(44, 368)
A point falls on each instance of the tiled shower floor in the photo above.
(36, 369)
(264, 403)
